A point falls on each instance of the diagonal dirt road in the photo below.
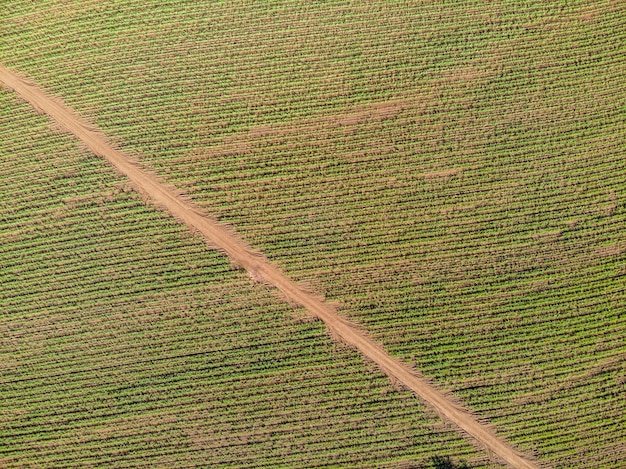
(259, 268)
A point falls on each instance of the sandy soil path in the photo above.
(260, 268)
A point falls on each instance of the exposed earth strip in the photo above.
(260, 268)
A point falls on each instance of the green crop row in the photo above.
(475, 230)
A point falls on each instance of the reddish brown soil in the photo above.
(260, 268)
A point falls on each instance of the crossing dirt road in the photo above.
(260, 268)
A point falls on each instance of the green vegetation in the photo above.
(444, 462)
(451, 172)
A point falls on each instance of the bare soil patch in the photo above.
(259, 268)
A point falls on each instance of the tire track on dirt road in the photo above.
(260, 268)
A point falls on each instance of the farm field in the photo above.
(451, 174)
(126, 343)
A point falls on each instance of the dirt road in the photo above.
(260, 268)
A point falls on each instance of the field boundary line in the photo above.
(259, 268)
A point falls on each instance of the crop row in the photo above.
(475, 229)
